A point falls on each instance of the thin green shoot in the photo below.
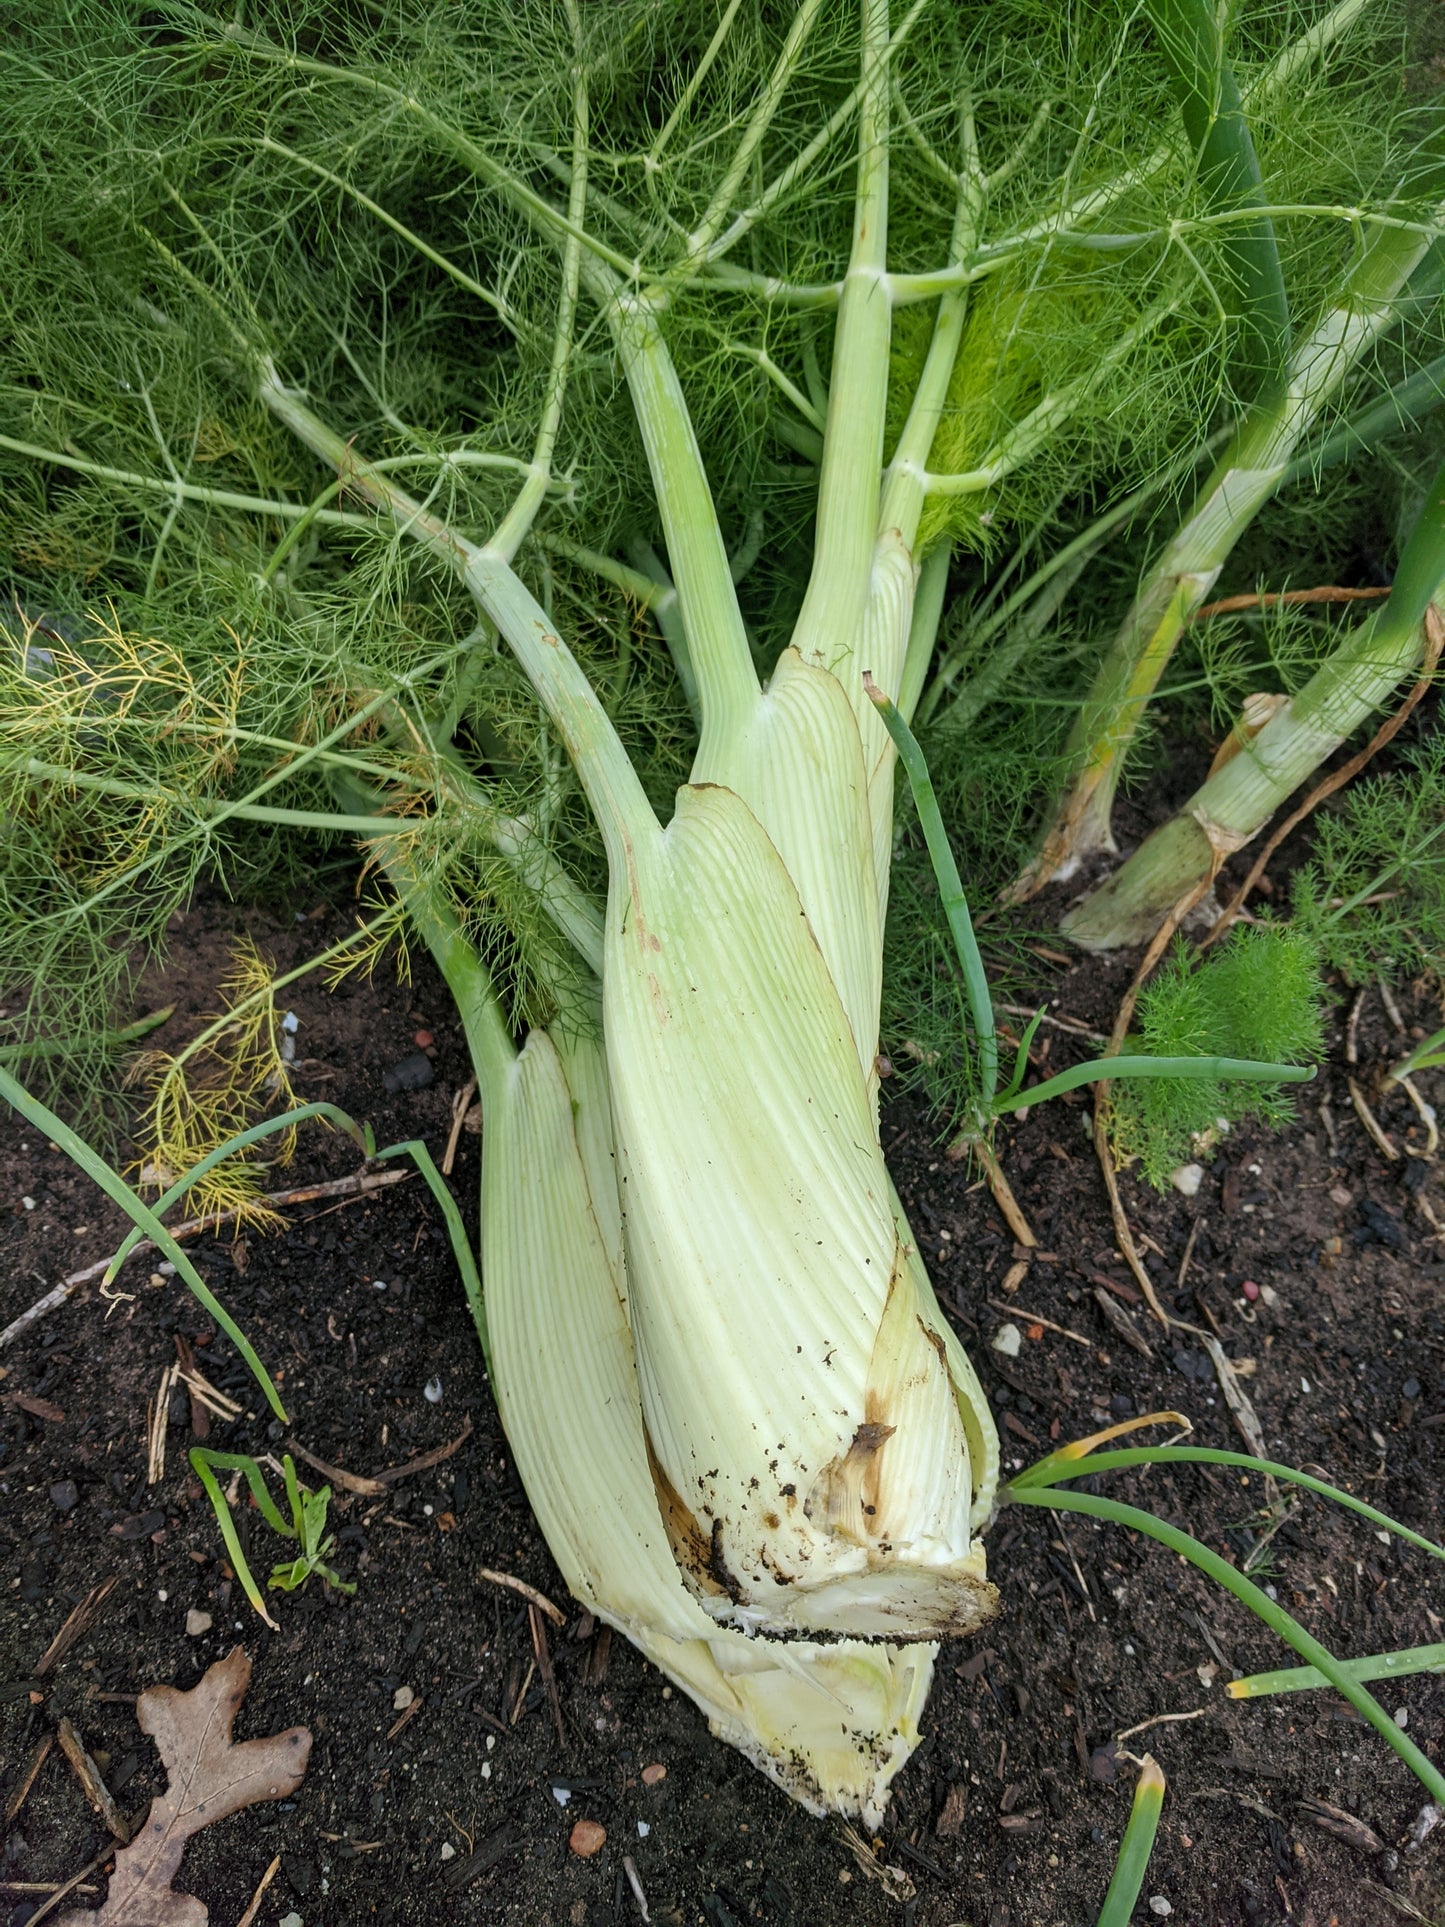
(950, 888)
(107, 1040)
(1106, 1069)
(955, 907)
(141, 1214)
(306, 1525)
(456, 1230)
(1426, 1056)
(1136, 1847)
(1300, 1679)
(1069, 1463)
(1273, 1615)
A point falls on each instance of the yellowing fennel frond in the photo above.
(831, 1724)
(801, 1405)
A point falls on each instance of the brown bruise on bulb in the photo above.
(852, 1505)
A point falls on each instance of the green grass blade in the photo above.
(140, 1213)
(1191, 40)
(1274, 1616)
(1299, 1679)
(456, 1231)
(1058, 1468)
(108, 1039)
(240, 1142)
(950, 887)
(1108, 1069)
(243, 1463)
(227, 1525)
(1136, 1847)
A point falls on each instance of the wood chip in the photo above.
(1120, 1323)
(463, 1872)
(76, 1626)
(1344, 1826)
(950, 1822)
(36, 1407)
(94, 1788)
(37, 1760)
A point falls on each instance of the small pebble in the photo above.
(1402, 1717)
(1410, 1389)
(413, 1073)
(64, 1494)
(587, 1838)
(423, 1040)
(1008, 1340)
(448, 1850)
(197, 1622)
(401, 1699)
(1250, 1289)
(292, 1919)
(1187, 1179)
(652, 1774)
(1159, 1905)
(432, 1391)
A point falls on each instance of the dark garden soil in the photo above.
(441, 1789)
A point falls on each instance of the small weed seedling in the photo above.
(307, 1524)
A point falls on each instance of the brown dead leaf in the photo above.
(208, 1775)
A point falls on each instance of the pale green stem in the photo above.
(489, 1041)
(1236, 802)
(189, 491)
(760, 358)
(1044, 420)
(928, 599)
(1243, 480)
(904, 485)
(760, 120)
(712, 623)
(865, 91)
(617, 797)
(829, 624)
(517, 523)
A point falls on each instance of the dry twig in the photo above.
(358, 1185)
(529, 1593)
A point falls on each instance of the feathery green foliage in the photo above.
(199, 190)
(1372, 895)
(1258, 995)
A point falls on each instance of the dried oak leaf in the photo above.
(208, 1775)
